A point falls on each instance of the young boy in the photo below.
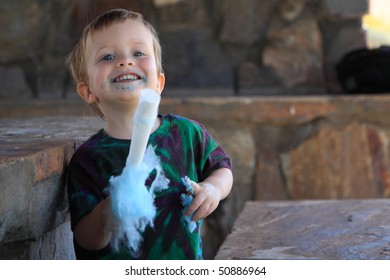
(117, 56)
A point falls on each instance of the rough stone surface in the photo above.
(294, 56)
(347, 8)
(33, 177)
(246, 28)
(24, 29)
(34, 222)
(199, 60)
(339, 170)
(14, 85)
(303, 230)
(159, 3)
(251, 75)
(290, 10)
(269, 180)
(205, 43)
(183, 14)
(35, 40)
(53, 245)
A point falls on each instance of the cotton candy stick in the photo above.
(144, 118)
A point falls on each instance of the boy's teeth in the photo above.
(126, 77)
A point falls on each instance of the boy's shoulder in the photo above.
(88, 147)
(183, 121)
(92, 141)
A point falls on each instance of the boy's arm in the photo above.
(91, 232)
(210, 192)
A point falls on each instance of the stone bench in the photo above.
(310, 229)
(34, 216)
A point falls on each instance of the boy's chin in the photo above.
(125, 88)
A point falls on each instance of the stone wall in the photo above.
(210, 47)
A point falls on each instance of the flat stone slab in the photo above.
(311, 229)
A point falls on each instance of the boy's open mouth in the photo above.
(126, 78)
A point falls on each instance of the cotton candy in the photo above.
(186, 200)
(132, 203)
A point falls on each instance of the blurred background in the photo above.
(211, 47)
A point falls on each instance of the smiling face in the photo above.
(120, 62)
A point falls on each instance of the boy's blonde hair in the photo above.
(76, 58)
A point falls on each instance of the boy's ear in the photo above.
(161, 83)
(85, 93)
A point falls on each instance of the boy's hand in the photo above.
(206, 200)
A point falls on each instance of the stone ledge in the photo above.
(277, 110)
(319, 229)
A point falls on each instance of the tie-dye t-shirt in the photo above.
(185, 148)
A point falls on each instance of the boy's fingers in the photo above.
(196, 187)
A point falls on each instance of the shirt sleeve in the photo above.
(213, 156)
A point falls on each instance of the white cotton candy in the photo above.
(186, 200)
(132, 204)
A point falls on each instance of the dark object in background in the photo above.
(365, 71)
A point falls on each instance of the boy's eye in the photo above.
(138, 53)
(107, 57)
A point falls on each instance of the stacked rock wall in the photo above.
(210, 47)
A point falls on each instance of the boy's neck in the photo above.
(123, 128)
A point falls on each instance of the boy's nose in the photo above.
(124, 63)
